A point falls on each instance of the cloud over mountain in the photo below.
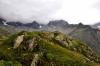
(28, 10)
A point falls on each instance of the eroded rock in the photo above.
(35, 60)
(18, 41)
(32, 43)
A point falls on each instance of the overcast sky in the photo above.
(73, 11)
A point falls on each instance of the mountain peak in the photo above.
(58, 23)
(80, 24)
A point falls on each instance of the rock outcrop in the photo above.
(35, 60)
(32, 43)
(18, 41)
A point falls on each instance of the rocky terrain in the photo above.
(47, 46)
(85, 33)
(42, 48)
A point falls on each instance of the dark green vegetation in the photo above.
(45, 49)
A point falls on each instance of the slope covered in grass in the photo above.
(3, 35)
(45, 49)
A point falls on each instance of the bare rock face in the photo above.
(35, 60)
(32, 43)
(18, 41)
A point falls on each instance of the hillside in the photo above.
(3, 34)
(45, 49)
(88, 35)
(84, 33)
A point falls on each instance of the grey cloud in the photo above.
(28, 10)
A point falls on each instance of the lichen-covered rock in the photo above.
(32, 43)
(35, 60)
(18, 41)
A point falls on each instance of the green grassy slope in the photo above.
(52, 48)
(3, 35)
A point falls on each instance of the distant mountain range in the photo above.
(85, 33)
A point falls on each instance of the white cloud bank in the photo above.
(74, 11)
(28, 10)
